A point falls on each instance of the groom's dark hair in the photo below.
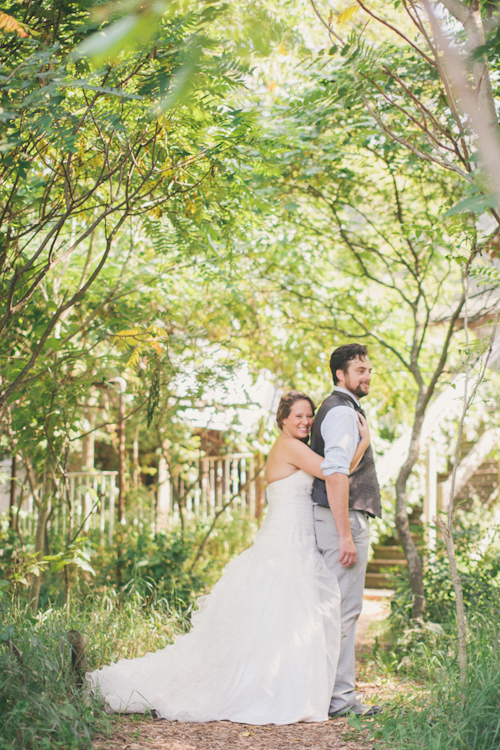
(343, 355)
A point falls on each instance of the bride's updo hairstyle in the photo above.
(286, 403)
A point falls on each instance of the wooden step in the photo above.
(375, 566)
(378, 581)
(380, 552)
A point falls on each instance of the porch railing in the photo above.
(234, 482)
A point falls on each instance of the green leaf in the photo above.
(7, 634)
(475, 203)
(81, 563)
(355, 721)
(108, 44)
(347, 15)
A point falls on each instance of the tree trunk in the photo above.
(67, 588)
(119, 537)
(68, 577)
(163, 499)
(78, 656)
(41, 524)
(88, 448)
(135, 458)
(459, 598)
(415, 570)
(13, 516)
(469, 15)
(121, 459)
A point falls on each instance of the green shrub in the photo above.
(449, 717)
(162, 558)
(165, 558)
(478, 560)
(41, 707)
(441, 714)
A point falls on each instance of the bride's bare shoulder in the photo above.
(278, 464)
(275, 454)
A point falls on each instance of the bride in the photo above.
(264, 644)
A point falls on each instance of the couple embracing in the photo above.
(273, 643)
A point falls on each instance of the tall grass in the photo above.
(41, 707)
(449, 717)
(444, 715)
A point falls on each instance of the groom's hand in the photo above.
(337, 490)
(348, 554)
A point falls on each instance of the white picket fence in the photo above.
(199, 492)
(92, 499)
(233, 481)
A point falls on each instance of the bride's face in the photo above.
(299, 422)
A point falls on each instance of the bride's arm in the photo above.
(363, 443)
(301, 456)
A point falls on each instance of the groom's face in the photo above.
(357, 378)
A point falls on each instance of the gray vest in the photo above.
(364, 490)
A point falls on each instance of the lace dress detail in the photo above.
(264, 644)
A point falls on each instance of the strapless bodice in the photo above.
(289, 515)
(300, 481)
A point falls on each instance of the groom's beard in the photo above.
(359, 391)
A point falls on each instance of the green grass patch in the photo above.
(41, 706)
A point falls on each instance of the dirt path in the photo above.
(131, 734)
(139, 733)
(370, 682)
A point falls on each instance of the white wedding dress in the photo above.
(264, 644)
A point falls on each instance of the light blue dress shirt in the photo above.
(341, 435)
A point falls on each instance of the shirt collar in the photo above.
(344, 390)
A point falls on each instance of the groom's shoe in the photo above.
(358, 708)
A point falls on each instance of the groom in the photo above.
(343, 505)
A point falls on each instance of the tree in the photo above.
(86, 148)
(356, 249)
(381, 56)
(393, 70)
(101, 157)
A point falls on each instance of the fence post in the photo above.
(259, 487)
(112, 490)
(219, 481)
(235, 483)
(164, 497)
(243, 479)
(251, 489)
(211, 486)
(102, 520)
(204, 486)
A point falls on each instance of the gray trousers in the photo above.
(351, 584)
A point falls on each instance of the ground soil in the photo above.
(140, 733)
(223, 735)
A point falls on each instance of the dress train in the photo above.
(264, 644)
